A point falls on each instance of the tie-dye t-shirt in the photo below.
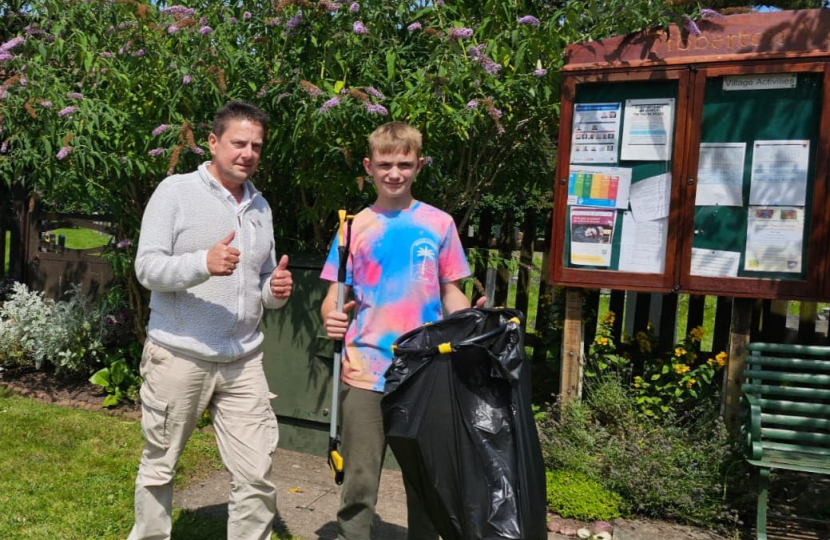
(398, 260)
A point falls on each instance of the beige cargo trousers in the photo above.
(177, 389)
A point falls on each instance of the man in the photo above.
(206, 251)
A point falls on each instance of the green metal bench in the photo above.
(785, 413)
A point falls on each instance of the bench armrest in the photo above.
(752, 427)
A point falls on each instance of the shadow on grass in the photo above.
(211, 523)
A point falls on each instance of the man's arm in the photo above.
(453, 298)
(336, 322)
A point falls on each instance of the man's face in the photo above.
(393, 174)
(235, 155)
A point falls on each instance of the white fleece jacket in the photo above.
(215, 318)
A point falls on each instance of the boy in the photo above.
(404, 268)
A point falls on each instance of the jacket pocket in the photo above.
(154, 420)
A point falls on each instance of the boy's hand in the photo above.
(222, 258)
(281, 281)
(337, 322)
(480, 302)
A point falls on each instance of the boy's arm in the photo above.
(452, 297)
(336, 322)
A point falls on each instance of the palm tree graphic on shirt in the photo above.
(424, 262)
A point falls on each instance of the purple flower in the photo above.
(186, 79)
(354, 7)
(414, 26)
(375, 108)
(294, 22)
(330, 7)
(461, 33)
(691, 26)
(472, 104)
(67, 111)
(372, 91)
(172, 29)
(540, 72)
(23, 81)
(710, 14)
(196, 150)
(155, 152)
(179, 11)
(439, 2)
(529, 20)
(333, 102)
(4, 148)
(32, 31)
(477, 51)
(139, 52)
(74, 95)
(205, 30)
(110, 30)
(125, 48)
(203, 20)
(63, 152)
(160, 129)
(495, 113)
(11, 44)
(247, 15)
(4, 56)
(125, 243)
(273, 21)
(47, 104)
(106, 54)
(491, 67)
(359, 29)
(231, 20)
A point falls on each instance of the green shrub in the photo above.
(71, 334)
(574, 495)
(660, 467)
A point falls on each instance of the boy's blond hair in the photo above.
(395, 137)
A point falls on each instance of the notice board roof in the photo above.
(770, 35)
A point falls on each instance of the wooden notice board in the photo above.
(698, 163)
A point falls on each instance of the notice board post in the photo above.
(698, 164)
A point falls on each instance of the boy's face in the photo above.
(393, 174)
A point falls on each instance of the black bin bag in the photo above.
(457, 415)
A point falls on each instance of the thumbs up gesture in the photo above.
(281, 282)
(222, 258)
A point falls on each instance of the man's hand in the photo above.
(222, 258)
(281, 282)
(480, 302)
(337, 322)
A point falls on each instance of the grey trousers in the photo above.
(363, 446)
(177, 389)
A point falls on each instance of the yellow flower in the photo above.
(680, 369)
(609, 318)
(690, 383)
(721, 358)
(602, 340)
(711, 362)
(637, 382)
(697, 333)
(679, 351)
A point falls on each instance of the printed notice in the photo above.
(779, 173)
(591, 233)
(650, 198)
(774, 238)
(596, 132)
(643, 245)
(775, 81)
(647, 129)
(715, 263)
(599, 186)
(720, 174)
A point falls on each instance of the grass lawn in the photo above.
(68, 473)
(6, 258)
(81, 238)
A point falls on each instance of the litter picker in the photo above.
(344, 239)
